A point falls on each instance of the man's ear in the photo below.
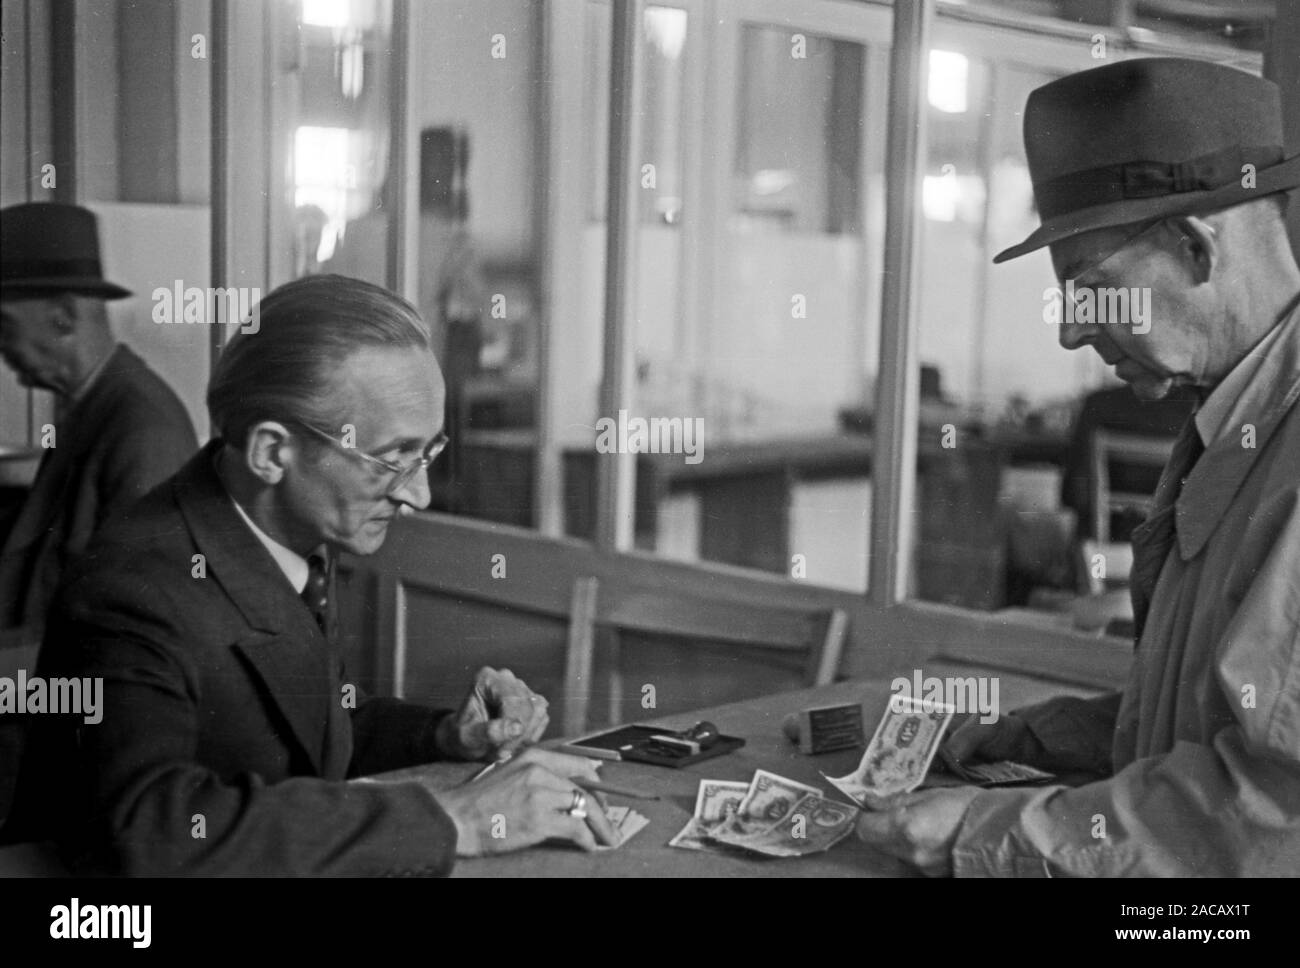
(64, 314)
(1198, 246)
(268, 451)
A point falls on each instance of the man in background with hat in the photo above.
(118, 431)
(1165, 176)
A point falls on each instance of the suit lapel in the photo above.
(298, 685)
(286, 649)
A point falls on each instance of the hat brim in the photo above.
(1279, 178)
(80, 285)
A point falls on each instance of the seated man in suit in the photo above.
(228, 726)
(1164, 177)
(119, 429)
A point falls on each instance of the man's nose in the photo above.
(1074, 335)
(414, 492)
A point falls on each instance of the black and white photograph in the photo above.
(649, 439)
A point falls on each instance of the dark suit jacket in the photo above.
(124, 437)
(222, 701)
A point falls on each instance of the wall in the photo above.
(145, 247)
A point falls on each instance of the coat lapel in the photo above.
(1154, 538)
(42, 526)
(286, 649)
(1189, 513)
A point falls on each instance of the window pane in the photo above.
(776, 360)
(798, 131)
(475, 98)
(996, 389)
(339, 132)
(662, 91)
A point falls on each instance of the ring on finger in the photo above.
(578, 809)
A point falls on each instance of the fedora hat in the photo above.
(51, 247)
(1150, 138)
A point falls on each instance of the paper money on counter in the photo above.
(899, 754)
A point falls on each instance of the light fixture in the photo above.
(326, 13)
(949, 72)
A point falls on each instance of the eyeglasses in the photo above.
(1094, 266)
(403, 473)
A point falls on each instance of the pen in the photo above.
(592, 786)
(490, 767)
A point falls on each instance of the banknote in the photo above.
(715, 802)
(900, 751)
(813, 824)
(626, 822)
(770, 799)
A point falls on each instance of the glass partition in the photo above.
(336, 138)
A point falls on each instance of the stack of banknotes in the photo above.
(771, 815)
(780, 817)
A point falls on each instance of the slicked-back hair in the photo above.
(286, 369)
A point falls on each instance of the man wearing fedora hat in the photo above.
(119, 428)
(1165, 175)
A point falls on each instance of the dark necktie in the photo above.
(1154, 538)
(315, 593)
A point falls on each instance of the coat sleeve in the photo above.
(147, 805)
(1068, 734)
(1226, 807)
(391, 734)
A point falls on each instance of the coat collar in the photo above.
(121, 368)
(1221, 470)
(287, 649)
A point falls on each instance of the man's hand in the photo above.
(920, 828)
(526, 801)
(1006, 738)
(499, 716)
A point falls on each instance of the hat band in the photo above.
(1149, 179)
(48, 268)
